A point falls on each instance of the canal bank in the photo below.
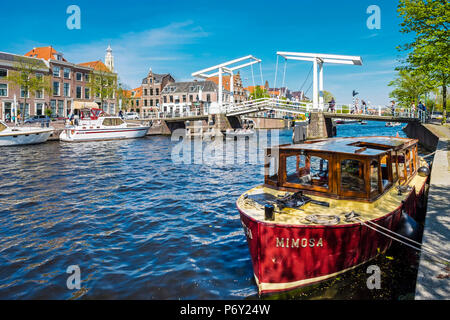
(433, 275)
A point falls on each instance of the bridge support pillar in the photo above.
(320, 127)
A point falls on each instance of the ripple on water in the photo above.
(138, 225)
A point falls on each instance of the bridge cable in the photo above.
(261, 72)
(307, 77)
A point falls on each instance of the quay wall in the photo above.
(433, 275)
(269, 123)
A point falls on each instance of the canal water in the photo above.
(139, 226)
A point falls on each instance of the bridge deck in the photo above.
(369, 117)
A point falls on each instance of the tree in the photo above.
(409, 86)
(123, 94)
(259, 92)
(28, 76)
(327, 96)
(102, 84)
(429, 21)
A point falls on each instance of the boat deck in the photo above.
(386, 204)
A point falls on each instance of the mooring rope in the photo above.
(422, 250)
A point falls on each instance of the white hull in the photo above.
(76, 135)
(239, 134)
(24, 137)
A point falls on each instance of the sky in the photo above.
(181, 37)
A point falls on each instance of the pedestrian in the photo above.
(8, 117)
(331, 104)
(413, 109)
(393, 108)
(364, 107)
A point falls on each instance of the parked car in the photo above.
(38, 119)
(131, 116)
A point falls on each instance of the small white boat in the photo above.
(15, 136)
(239, 133)
(95, 125)
(393, 124)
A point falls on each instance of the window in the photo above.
(79, 92)
(307, 170)
(53, 106)
(208, 98)
(3, 90)
(66, 73)
(56, 72)
(39, 109)
(3, 73)
(352, 176)
(86, 77)
(109, 122)
(24, 92)
(184, 98)
(86, 93)
(145, 92)
(56, 88)
(67, 89)
(157, 91)
(40, 94)
(151, 103)
(374, 176)
(191, 98)
(151, 92)
(60, 108)
(171, 99)
(394, 166)
(165, 99)
(145, 103)
(26, 109)
(79, 76)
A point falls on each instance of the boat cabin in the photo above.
(343, 168)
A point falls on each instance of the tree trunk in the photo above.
(444, 103)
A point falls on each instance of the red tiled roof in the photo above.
(46, 53)
(96, 65)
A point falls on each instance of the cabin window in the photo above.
(109, 122)
(408, 163)
(412, 158)
(374, 178)
(272, 168)
(401, 166)
(352, 176)
(385, 171)
(307, 170)
(394, 166)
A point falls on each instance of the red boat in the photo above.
(315, 216)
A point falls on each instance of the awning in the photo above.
(78, 105)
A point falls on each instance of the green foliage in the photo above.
(327, 96)
(259, 92)
(428, 21)
(102, 85)
(25, 77)
(409, 86)
(48, 112)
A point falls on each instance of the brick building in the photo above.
(151, 89)
(239, 93)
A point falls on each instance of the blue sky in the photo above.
(182, 37)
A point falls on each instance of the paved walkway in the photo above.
(433, 279)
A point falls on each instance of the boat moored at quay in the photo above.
(92, 124)
(16, 136)
(324, 205)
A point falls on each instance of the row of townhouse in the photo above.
(70, 85)
(161, 93)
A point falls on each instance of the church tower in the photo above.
(109, 59)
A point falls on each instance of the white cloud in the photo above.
(136, 52)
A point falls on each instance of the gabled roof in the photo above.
(46, 53)
(96, 65)
(226, 79)
(10, 59)
(158, 77)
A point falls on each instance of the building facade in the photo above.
(151, 89)
(239, 92)
(196, 97)
(36, 103)
(70, 83)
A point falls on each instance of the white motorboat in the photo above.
(393, 124)
(239, 133)
(15, 136)
(94, 125)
